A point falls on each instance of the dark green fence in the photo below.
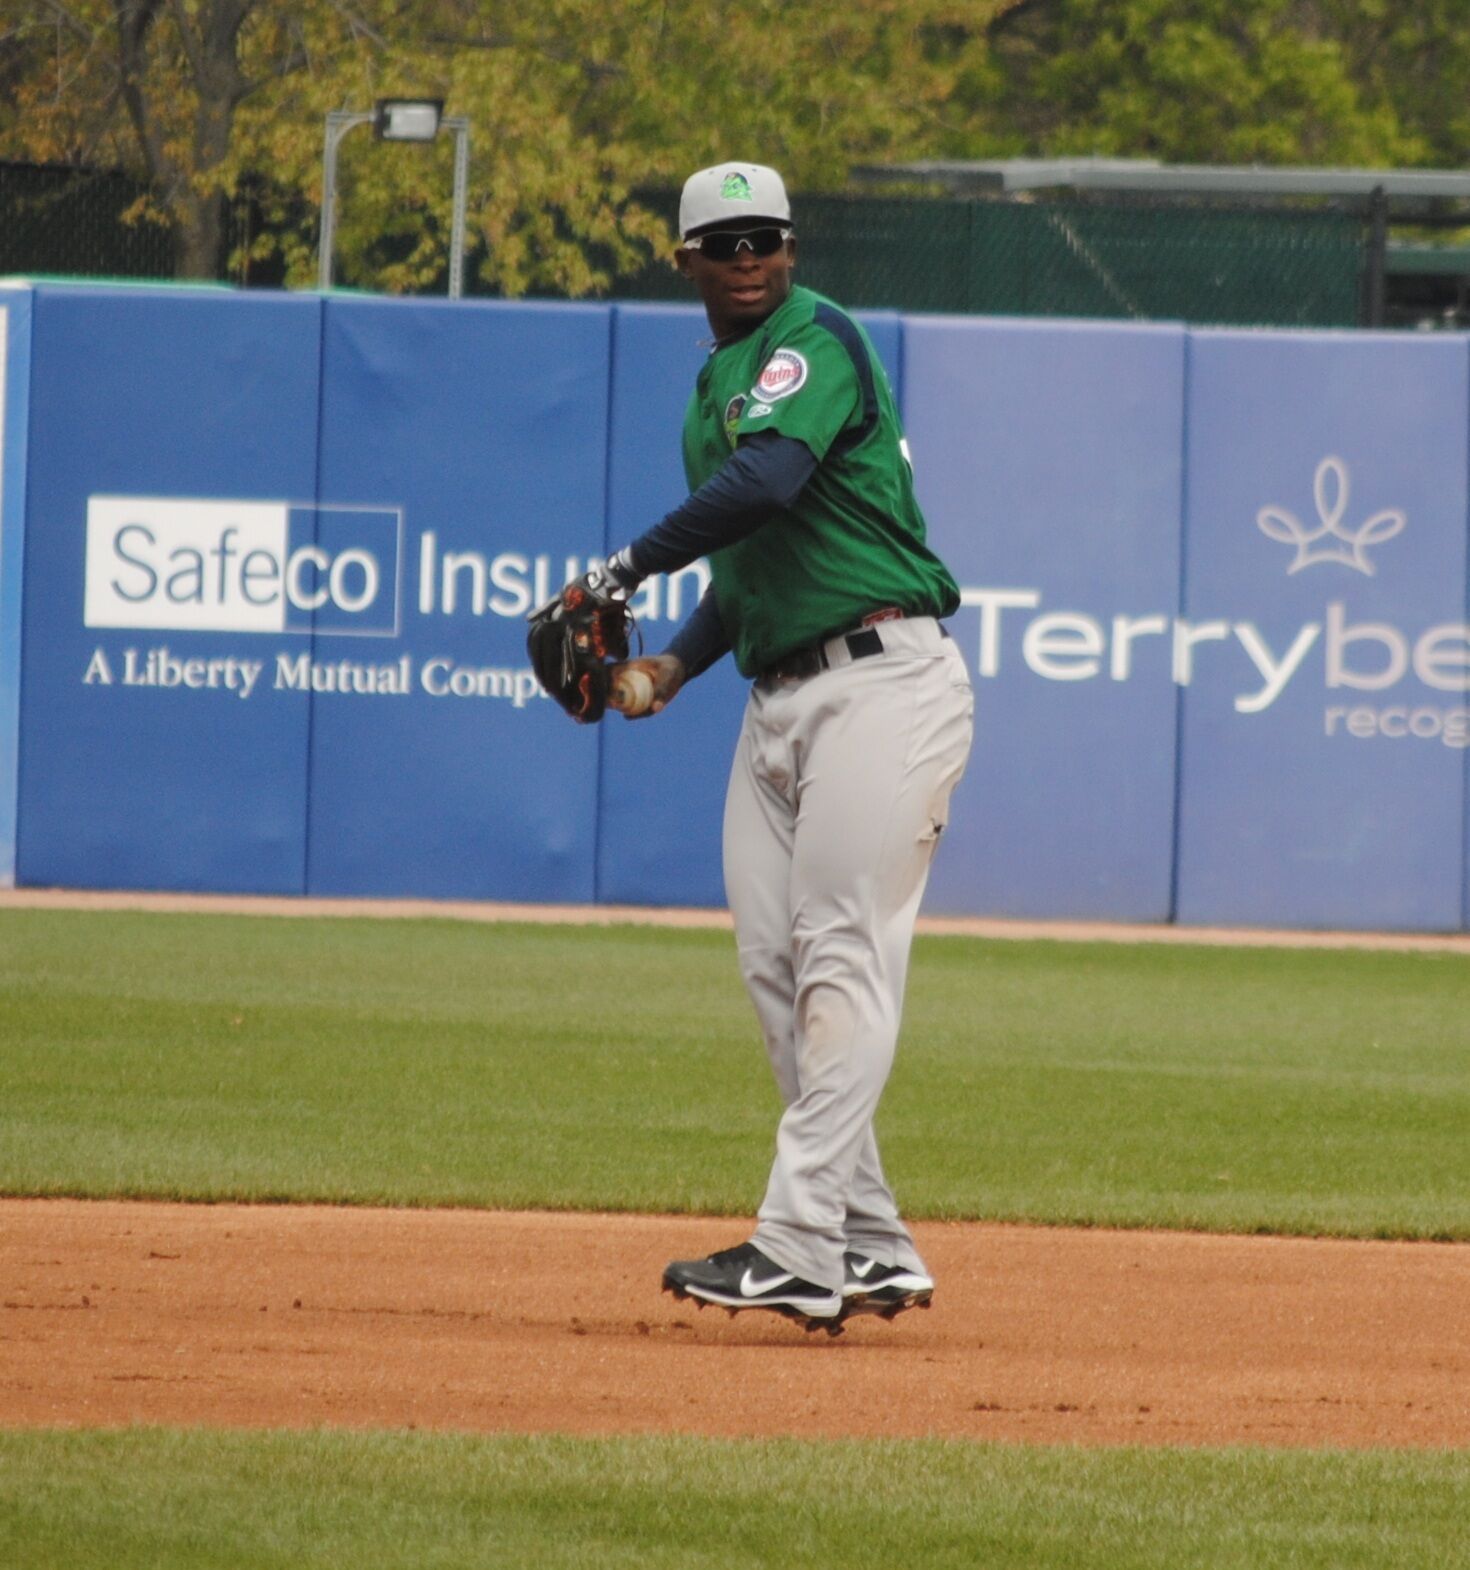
(1134, 260)
(1196, 263)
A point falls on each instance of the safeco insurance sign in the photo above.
(241, 566)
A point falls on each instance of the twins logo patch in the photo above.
(784, 374)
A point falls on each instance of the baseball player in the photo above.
(856, 731)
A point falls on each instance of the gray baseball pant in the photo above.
(838, 794)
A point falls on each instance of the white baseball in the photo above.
(632, 691)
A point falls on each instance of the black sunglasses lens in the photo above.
(726, 247)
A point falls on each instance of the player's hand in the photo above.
(645, 686)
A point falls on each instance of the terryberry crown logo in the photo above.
(1347, 546)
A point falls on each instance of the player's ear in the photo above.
(791, 251)
(681, 261)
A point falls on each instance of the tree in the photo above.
(1187, 81)
(1414, 60)
(574, 107)
(152, 86)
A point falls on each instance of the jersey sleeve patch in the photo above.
(733, 411)
(783, 374)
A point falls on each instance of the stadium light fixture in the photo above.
(407, 119)
(397, 120)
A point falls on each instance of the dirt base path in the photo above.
(296, 1316)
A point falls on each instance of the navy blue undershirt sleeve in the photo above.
(765, 473)
(701, 640)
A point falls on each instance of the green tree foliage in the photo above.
(1414, 59)
(1185, 81)
(574, 107)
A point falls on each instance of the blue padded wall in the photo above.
(143, 763)
(1047, 459)
(484, 429)
(1325, 514)
(663, 780)
(15, 385)
(265, 562)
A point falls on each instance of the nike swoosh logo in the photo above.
(865, 1269)
(750, 1287)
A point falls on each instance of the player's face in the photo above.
(739, 291)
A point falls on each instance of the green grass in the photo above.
(428, 1062)
(156, 1499)
(443, 1062)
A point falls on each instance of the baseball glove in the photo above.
(574, 639)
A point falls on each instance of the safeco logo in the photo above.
(241, 566)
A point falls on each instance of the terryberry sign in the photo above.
(1216, 602)
(1363, 656)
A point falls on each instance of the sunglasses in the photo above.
(724, 245)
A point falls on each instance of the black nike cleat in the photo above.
(743, 1277)
(872, 1288)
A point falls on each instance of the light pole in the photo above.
(397, 120)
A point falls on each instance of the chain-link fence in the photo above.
(72, 221)
(1193, 262)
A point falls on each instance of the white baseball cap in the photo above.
(729, 193)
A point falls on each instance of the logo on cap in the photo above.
(735, 188)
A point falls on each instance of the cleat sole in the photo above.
(854, 1306)
(831, 1323)
(812, 1323)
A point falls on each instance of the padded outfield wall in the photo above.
(265, 563)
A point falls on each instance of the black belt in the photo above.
(807, 661)
(811, 659)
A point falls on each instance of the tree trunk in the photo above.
(199, 236)
(209, 42)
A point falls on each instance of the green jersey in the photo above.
(853, 542)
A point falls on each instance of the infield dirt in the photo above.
(298, 1316)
